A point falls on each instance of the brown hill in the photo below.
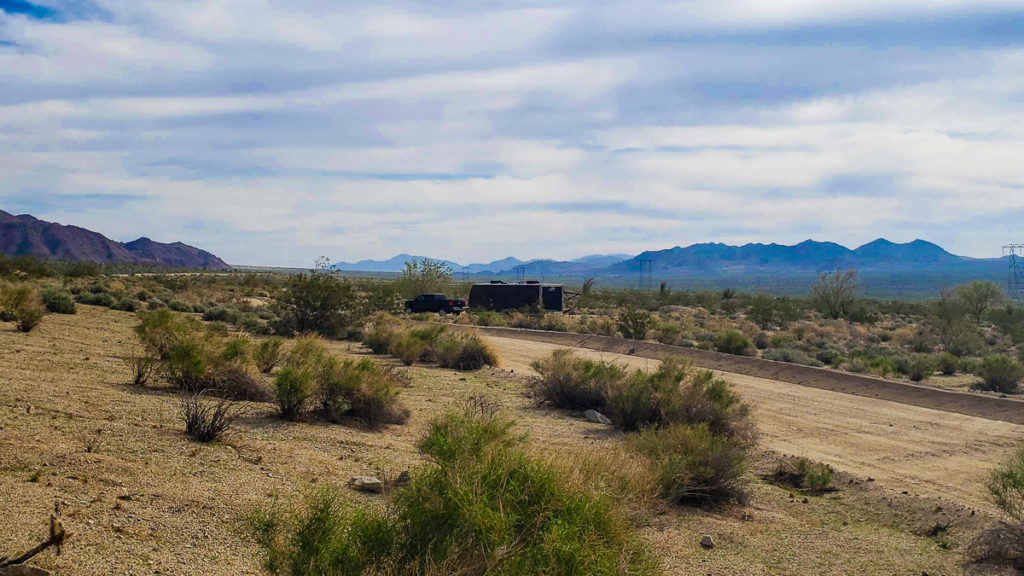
(26, 234)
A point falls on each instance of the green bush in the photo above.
(127, 305)
(378, 337)
(482, 506)
(919, 367)
(999, 374)
(695, 466)
(269, 353)
(363, 391)
(179, 306)
(407, 348)
(293, 388)
(948, 364)
(221, 314)
(463, 351)
(572, 383)
(489, 318)
(732, 342)
(58, 302)
(95, 299)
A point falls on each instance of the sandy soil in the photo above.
(141, 498)
(928, 452)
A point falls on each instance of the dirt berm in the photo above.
(981, 405)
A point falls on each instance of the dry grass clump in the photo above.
(482, 506)
(694, 466)
(206, 419)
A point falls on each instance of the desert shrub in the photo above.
(221, 314)
(206, 420)
(828, 355)
(95, 299)
(141, 366)
(1002, 545)
(378, 336)
(554, 323)
(293, 388)
(158, 329)
(156, 304)
(761, 340)
(668, 333)
(58, 302)
(363, 390)
(999, 374)
(732, 342)
(482, 505)
(179, 306)
(196, 357)
(634, 323)
(695, 466)
(948, 364)
(319, 302)
(307, 352)
(407, 348)
(600, 325)
(805, 475)
(269, 353)
(127, 305)
(919, 367)
(522, 320)
(463, 351)
(573, 383)
(857, 366)
(21, 304)
(792, 356)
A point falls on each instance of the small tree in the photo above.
(316, 302)
(424, 276)
(835, 292)
(979, 296)
(948, 317)
(1002, 545)
(586, 291)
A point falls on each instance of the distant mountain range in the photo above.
(26, 234)
(505, 266)
(917, 268)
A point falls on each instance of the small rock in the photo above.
(366, 484)
(805, 501)
(707, 541)
(871, 478)
(596, 417)
(23, 570)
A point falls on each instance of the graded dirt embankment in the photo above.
(921, 450)
(990, 407)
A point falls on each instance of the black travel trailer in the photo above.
(504, 296)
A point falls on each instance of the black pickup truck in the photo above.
(435, 303)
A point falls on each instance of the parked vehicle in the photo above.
(435, 303)
(503, 296)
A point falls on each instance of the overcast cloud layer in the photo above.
(271, 132)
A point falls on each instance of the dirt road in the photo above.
(928, 452)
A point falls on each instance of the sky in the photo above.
(272, 132)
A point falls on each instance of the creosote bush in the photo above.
(573, 383)
(948, 364)
(141, 366)
(482, 506)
